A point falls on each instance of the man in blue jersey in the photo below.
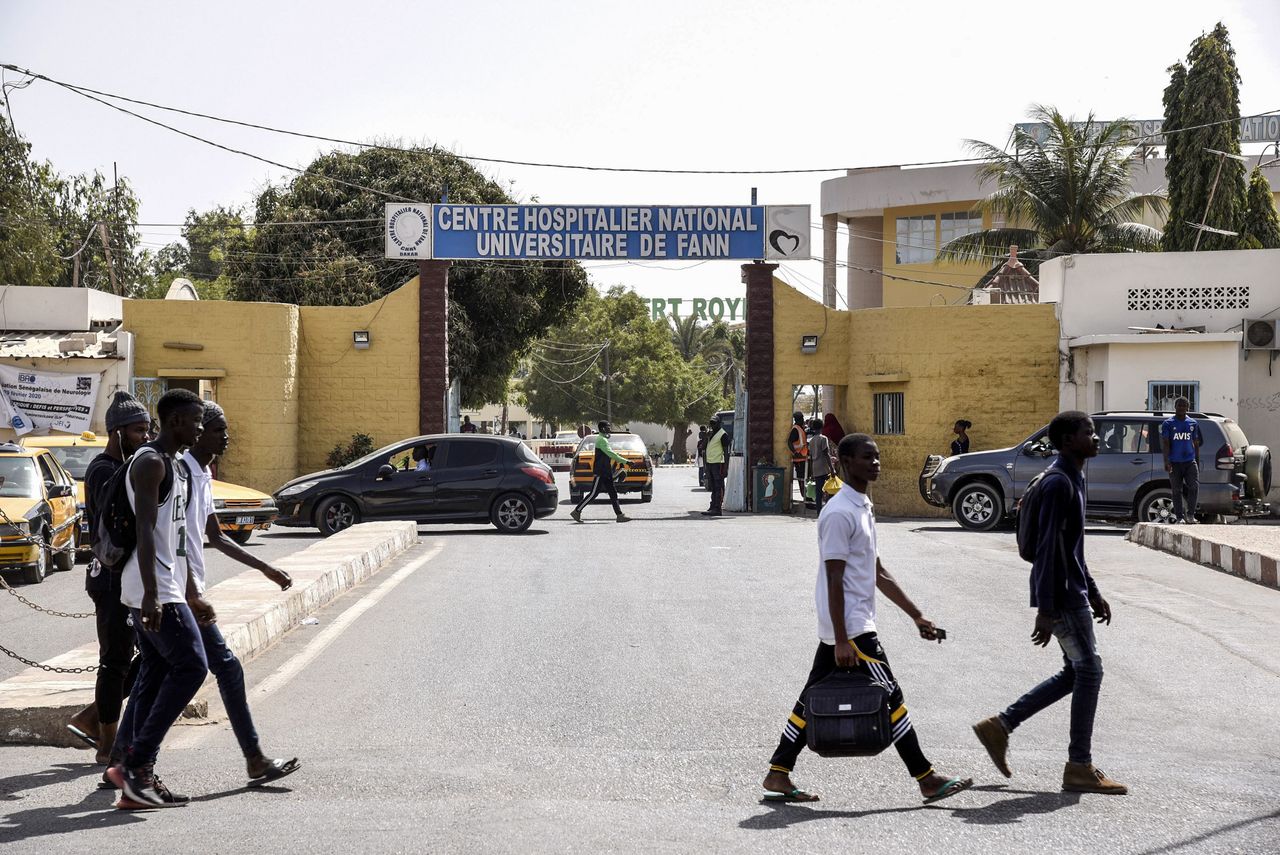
(1181, 446)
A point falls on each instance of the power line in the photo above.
(91, 93)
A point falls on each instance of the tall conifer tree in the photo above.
(1206, 103)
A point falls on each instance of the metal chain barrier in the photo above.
(4, 518)
(87, 669)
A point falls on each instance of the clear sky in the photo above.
(698, 85)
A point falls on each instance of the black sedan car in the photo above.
(445, 478)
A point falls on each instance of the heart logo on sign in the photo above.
(779, 240)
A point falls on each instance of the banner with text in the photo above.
(597, 232)
(43, 400)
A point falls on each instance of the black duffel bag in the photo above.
(847, 715)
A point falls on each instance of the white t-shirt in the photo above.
(199, 512)
(170, 534)
(847, 532)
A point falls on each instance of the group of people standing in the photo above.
(153, 601)
(812, 444)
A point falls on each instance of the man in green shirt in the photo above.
(717, 448)
(602, 470)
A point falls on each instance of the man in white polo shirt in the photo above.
(849, 573)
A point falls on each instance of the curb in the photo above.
(1246, 564)
(252, 614)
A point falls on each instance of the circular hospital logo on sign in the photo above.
(408, 227)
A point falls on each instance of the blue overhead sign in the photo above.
(650, 233)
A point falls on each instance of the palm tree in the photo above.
(1065, 195)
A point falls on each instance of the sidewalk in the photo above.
(252, 613)
(1249, 551)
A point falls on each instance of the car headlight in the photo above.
(268, 504)
(219, 504)
(295, 489)
(941, 467)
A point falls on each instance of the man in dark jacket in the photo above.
(1067, 601)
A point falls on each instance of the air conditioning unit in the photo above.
(1261, 334)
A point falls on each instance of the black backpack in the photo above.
(847, 715)
(1029, 514)
(115, 526)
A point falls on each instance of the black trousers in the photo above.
(872, 660)
(1185, 481)
(600, 482)
(715, 473)
(798, 468)
(117, 665)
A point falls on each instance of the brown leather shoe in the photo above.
(1087, 778)
(994, 738)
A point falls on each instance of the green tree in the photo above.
(335, 257)
(28, 209)
(647, 378)
(712, 353)
(1202, 116)
(1260, 228)
(1069, 194)
(211, 238)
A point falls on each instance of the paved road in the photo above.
(605, 687)
(39, 637)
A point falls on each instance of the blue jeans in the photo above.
(226, 668)
(1080, 677)
(173, 667)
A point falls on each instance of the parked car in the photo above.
(639, 477)
(39, 520)
(471, 478)
(557, 452)
(240, 510)
(1125, 481)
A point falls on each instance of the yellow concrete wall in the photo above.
(345, 391)
(903, 293)
(994, 365)
(256, 345)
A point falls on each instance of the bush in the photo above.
(342, 454)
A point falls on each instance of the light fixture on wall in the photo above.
(808, 344)
(361, 339)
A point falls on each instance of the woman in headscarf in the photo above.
(832, 429)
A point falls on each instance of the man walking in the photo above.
(226, 668)
(1067, 601)
(717, 452)
(602, 471)
(156, 586)
(822, 463)
(128, 423)
(1181, 441)
(849, 573)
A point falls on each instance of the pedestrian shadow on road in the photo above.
(11, 787)
(1006, 811)
(241, 790)
(95, 811)
(488, 532)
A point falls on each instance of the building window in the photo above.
(1162, 393)
(917, 241)
(1189, 299)
(888, 418)
(952, 226)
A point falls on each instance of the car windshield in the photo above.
(526, 454)
(385, 453)
(75, 458)
(18, 478)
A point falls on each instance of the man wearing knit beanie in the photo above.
(127, 423)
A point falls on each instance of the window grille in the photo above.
(1161, 394)
(888, 413)
(1188, 299)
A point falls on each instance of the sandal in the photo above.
(278, 769)
(949, 789)
(796, 795)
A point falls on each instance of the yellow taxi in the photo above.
(240, 510)
(39, 520)
(639, 477)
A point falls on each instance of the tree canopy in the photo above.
(1068, 194)
(1202, 116)
(319, 242)
(649, 380)
(1260, 226)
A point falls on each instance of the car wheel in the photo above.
(64, 561)
(1156, 506)
(646, 497)
(978, 506)
(512, 513)
(35, 575)
(336, 513)
(242, 536)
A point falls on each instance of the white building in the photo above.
(1114, 357)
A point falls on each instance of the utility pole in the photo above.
(608, 386)
(106, 248)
